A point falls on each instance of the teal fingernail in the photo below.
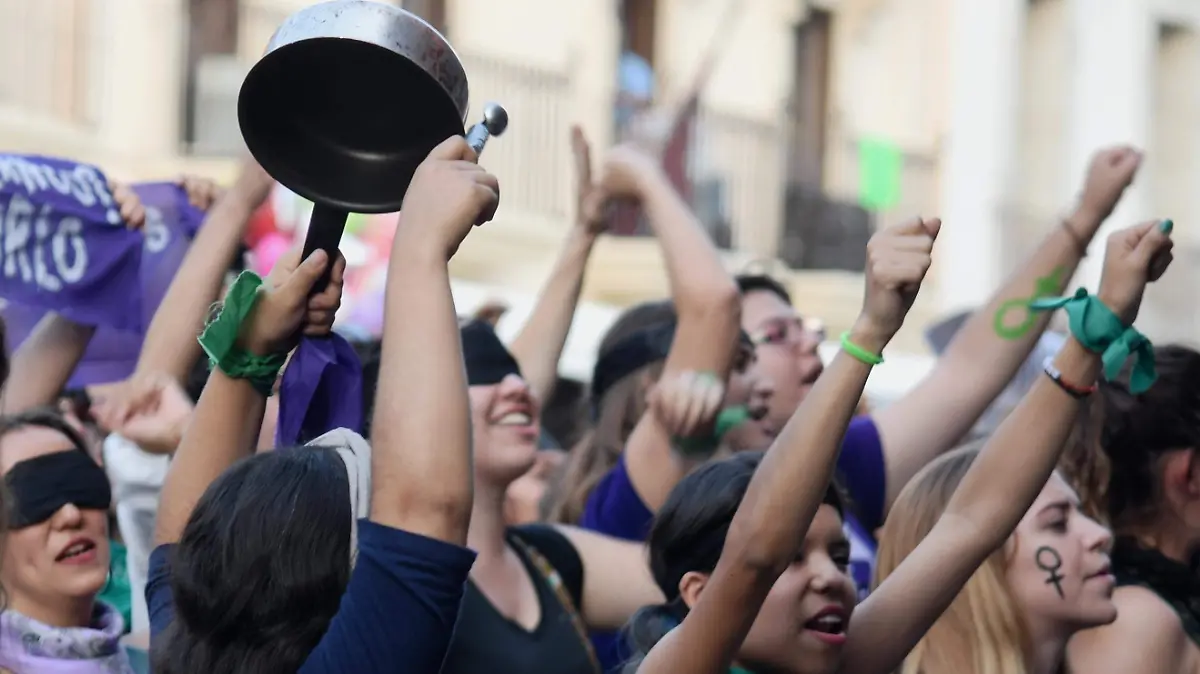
(1166, 226)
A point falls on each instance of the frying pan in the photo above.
(348, 99)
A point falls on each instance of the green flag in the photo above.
(879, 165)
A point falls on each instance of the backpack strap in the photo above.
(554, 580)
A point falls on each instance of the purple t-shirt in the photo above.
(614, 508)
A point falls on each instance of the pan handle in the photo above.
(325, 228)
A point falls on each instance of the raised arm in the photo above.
(170, 347)
(249, 341)
(935, 415)
(421, 433)
(616, 578)
(43, 363)
(539, 345)
(1007, 475)
(789, 485)
(707, 306)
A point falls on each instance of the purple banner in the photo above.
(171, 222)
(64, 245)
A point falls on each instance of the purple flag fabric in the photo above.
(64, 245)
(321, 391)
(171, 223)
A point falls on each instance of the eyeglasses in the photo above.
(792, 330)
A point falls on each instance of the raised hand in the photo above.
(1109, 173)
(625, 170)
(448, 195)
(1134, 257)
(491, 312)
(284, 308)
(897, 259)
(590, 197)
(150, 410)
(686, 401)
(201, 192)
(128, 203)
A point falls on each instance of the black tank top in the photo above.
(1174, 582)
(487, 642)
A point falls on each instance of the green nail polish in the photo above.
(1166, 226)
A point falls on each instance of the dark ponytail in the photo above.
(688, 535)
(1114, 459)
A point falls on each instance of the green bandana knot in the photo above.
(219, 339)
(726, 420)
(1099, 330)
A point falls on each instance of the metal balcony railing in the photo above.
(829, 231)
(742, 159)
(533, 158)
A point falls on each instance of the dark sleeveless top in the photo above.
(487, 642)
(1174, 582)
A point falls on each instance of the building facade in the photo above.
(820, 120)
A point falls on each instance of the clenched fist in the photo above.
(1134, 257)
(897, 260)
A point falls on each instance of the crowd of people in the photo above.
(257, 493)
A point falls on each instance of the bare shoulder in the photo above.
(1147, 636)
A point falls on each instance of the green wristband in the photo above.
(219, 339)
(858, 353)
(1099, 330)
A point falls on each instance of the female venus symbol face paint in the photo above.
(1045, 286)
(1048, 560)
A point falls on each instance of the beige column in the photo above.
(592, 60)
(140, 61)
(979, 150)
(1113, 79)
(1173, 164)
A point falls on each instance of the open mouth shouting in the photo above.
(79, 551)
(829, 625)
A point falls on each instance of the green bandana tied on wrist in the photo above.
(219, 338)
(1099, 330)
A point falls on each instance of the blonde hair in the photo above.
(983, 631)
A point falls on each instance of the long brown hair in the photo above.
(615, 415)
(983, 631)
(1114, 457)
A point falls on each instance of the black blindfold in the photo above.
(487, 359)
(40, 486)
(635, 351)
